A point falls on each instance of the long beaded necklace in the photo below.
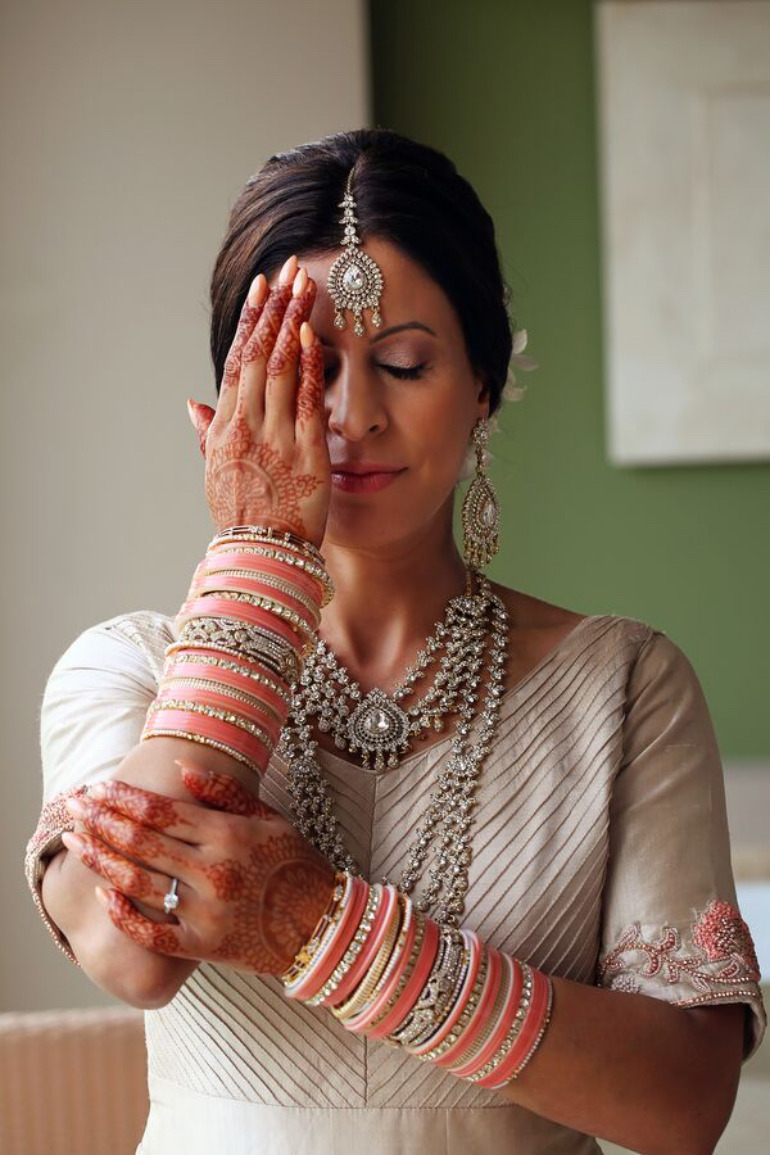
(469, 622)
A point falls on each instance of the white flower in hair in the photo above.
(511, 392)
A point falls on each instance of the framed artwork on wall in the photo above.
(683, 111)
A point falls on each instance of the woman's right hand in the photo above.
(267, 461)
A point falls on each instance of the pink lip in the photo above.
(363, 482)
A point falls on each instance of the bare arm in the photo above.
(111, 960)
(635, 1070)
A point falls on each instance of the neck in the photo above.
(387, 601)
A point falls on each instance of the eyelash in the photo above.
(413, 373)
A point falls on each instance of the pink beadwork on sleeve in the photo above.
(723, 954)
(54, 819)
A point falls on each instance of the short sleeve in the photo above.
(671, 927)
(93, 710)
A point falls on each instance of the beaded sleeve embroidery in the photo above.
(713, 962)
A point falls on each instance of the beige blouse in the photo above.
(600, 853)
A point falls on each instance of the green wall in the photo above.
(507, 90)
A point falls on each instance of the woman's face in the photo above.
(401, 397)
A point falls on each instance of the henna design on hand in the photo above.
(311, 383)
(286, 348)
(249, 317)
(247, 481)
(275, 899)
(223, 792)
(124, 834)
(126, 876)
(265, 333)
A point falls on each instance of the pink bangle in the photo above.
(360, 1022)
(190, 726)
(225, 677)
(474, 946)
(265, 719)
(323, 967)
(412, 990)
(213, 583)
(217, 661)
(532, 1030)
(309, 585)
(211, 607)
(512, 979)
(483, 1011)
(366, 956)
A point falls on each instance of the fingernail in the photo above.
(201, 771)
(75, 806)
(101, 895)
(191, 412)
(73, 843)
(306, 336)
(257, 289)
(300, 281)
(288, 270)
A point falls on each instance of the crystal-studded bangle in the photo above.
(220, 661)
(488, 1010)
(385, 987)
(359, 938)
(374, 972)
(267, 533)
(532, 1026)
(294, 560)
(518, 990)
(258, 581)
(465, 983)
(446, 1052)
(389, 1014)
(432, 1003)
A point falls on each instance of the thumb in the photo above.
(201, 417)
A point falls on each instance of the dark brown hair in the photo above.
(406, 193)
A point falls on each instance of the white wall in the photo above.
(128, 129)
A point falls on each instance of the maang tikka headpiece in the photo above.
(355, 279)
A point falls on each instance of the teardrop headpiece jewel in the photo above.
(355, 279)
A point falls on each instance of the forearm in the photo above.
(634, 1070)
(625, 1067)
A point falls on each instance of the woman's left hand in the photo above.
(251, 888)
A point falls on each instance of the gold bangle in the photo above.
(330, 917)
(363, 991)
(521, 1010)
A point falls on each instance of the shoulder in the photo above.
(538, 628)
(130, 645)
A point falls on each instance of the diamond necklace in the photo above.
(448, 817)
(376, 725)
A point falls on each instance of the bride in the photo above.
(395, 857)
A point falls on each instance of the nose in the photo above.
(354, 405)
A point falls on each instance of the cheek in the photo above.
(438, 435)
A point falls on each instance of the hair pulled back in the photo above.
(406, 193)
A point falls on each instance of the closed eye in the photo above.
(403, 372)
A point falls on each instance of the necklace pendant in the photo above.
(379, 727)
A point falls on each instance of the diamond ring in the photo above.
(171, 898)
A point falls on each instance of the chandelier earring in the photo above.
(481, 508)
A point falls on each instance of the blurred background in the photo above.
(127, 132)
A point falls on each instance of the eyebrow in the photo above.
(394, 329)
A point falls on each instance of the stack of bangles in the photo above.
(250, 618)
(386, 970)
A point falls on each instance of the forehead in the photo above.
(408, 293)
